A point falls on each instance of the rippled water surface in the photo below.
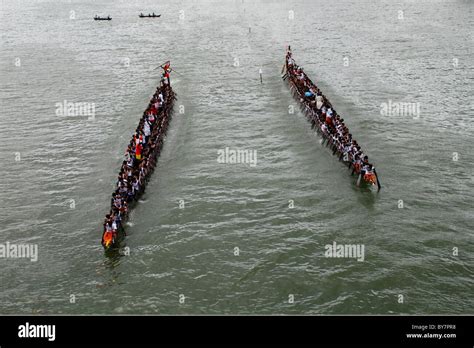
(58, 172)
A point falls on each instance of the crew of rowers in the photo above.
(149, 15)
(140, 158)
(330, 123)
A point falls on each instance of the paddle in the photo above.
(175, 71)
(283, 68)
(358, 180)
(377, 177)
(162, 66)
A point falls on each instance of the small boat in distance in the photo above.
(98, 18)
(153, 15)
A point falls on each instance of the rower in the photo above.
(364, 167)
(370, 175)
(146, 131)
(129, 193)
(138, 153)
(329, 116)
(151, 118)
(356, 164)
(114, 225)
(135, 186)
(108, 227)
(323, 110)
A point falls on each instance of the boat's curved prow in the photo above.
(107, 240)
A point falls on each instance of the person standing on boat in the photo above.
(290, 62)
(319, 101)
(364, 165)
(146, 130)
(166, 71)
(329, 115)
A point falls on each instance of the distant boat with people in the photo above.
(98, 18)
(152, 15)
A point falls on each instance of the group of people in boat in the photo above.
(102, 18)
(323, 115)
(140, 157)
(152, 15)
(149, 15)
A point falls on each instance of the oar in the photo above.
(377, 177)
(358, 180)
(175, 71)
(161, 66)
(284, 67)
(286, 72)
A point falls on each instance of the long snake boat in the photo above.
(328, 123)
(140, 160)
